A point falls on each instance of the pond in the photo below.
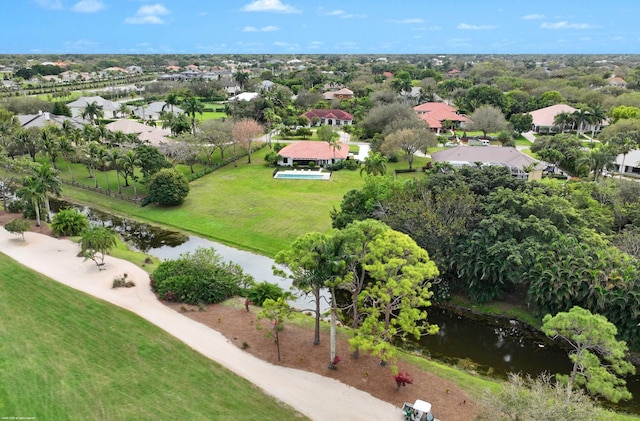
(488, 345)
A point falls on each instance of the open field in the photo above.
(73, 357)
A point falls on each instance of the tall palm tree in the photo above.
(624, 145)
(66, 149)
(128, 163)
(93, 111)
(562, 119)
(49, 137)
(375, 164)
(596, 116)
(171, 99)
(191, 106)
(242, 78)
(48, 182)
(31, 192)
(104, 158)
(123, 110)
(581, 117)
(114, 162)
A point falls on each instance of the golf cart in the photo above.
(418, 411)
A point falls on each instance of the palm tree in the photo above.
(114, 162)
(128, 164)
(596, 117)
(581, 117)
(48, 182)
(123, 110)
(92, 111)
(66, 149)
(375, 164)
(192, 106)
(172, 98)
(31, 192)
(599, 159)
(104, 159)
(49, 138)
(562, 119)
(242, 78)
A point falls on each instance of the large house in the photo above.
(435, 113)
(521, 165)
(43, 119)
(304, 152)
(109, 108)
(320, 117)
(543, 119)
(146, 134)
(154, 110)
(343, 93)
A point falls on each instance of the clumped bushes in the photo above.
(346, 164)
(199, 277)
(69, 222)
(260, 292)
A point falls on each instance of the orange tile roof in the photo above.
(320, 113)
(435, 113)
(313, 150)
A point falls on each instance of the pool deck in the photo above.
(304, 174)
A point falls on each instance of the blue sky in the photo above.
(320, 27)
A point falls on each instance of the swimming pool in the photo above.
(303, 175)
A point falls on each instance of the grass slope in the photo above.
(67, 356)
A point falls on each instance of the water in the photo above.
(497, 346)
(167, 244)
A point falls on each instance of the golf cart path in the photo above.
(317, 397)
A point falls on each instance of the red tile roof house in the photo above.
(303, 152)
(434, 113)
(329, 117)
(343, 93)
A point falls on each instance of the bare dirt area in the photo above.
(44, 228)
(365, 373)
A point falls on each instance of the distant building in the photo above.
(328, 117)
(435, 113)
(109, 108)
(520, 165)
(43, 119)
(340, 94)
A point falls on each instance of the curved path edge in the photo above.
(319, 398)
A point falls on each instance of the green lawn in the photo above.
(210, 115)
(244, 206)
(67, 356)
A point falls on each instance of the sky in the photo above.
(320, 27)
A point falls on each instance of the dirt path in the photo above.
(318, 397)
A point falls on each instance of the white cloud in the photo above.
(149, 14)
(566, 25)
(532, 16)
(50, 4)
(263, 29)
(269, 6)
(337, 12)
(475, 27)
(287, 45)
(407, 21)
(88, 6)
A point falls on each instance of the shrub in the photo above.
(199, 277)
(18, 226)
(260, 292)
(69, 222)
(168, 187)
(402, 379)
(122, 282)
(16, 206)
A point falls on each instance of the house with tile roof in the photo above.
(511, 158)
(321, 117)
(434, 113)
(617, 82)
(109, 108)
(304, 152)
(543, 119)
(43, 119)
(340, 94)
(153, 110)
(146, 134)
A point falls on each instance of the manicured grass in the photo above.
(522, 141)
(210, 115)
(244, 206)
(67, 356)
